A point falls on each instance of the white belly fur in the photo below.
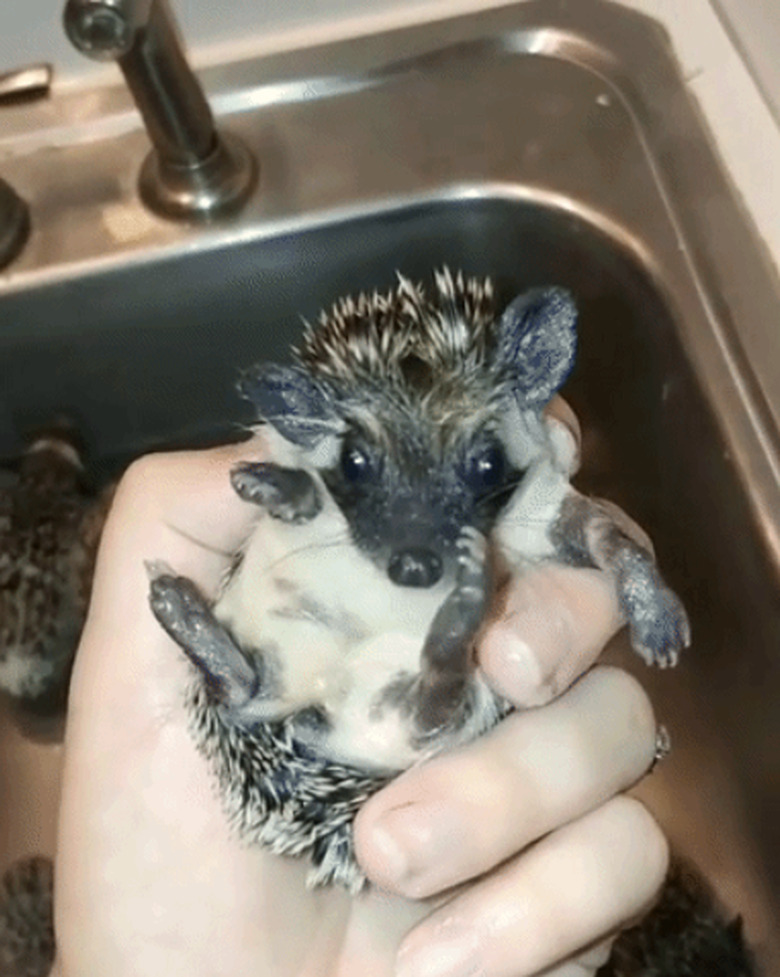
(375, 632)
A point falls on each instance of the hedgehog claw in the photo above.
(657, 620)
(472, 557)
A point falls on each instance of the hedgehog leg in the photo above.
(447, 653)
(289, 494)
(589, 533)
(185, 615)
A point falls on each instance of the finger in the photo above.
(177, 508)
(565, 431)
(535, 771)
(581, 882)
(552, 626)
(183, 506)
(584, 964)
(559, 410)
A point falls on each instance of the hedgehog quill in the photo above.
(413, 468)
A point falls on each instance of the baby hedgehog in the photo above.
(413, 470)
(49, 527)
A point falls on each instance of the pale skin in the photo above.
(150, 880)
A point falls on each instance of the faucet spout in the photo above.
(193, 171)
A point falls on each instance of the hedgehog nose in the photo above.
(415, 567)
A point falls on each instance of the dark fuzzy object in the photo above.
(49, 529)
(685, 935)
(26, 920)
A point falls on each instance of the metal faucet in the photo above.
(14, 223)
(193, 171)
(19, 85)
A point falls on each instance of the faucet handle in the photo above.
(14, 223)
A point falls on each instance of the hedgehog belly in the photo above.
(338, 725)
(323, 648)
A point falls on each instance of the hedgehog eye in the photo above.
(486, 470)
(355, 464)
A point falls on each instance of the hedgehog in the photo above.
(414, 468)
(49, 526)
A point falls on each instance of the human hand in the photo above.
(463, 831)
(150, 880)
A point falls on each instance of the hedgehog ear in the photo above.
(537, 342)
(298, 407)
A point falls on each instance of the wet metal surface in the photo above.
(545, 143)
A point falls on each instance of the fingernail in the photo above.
(414, 843)
(451, 951)
(522, 677)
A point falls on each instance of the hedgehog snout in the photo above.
(415, 566)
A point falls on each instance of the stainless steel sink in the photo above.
(545, 142)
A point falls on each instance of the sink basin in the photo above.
(542, 143)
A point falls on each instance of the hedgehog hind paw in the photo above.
(188, 619)
(662, 631)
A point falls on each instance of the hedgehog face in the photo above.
(406, 497)
(420, 414)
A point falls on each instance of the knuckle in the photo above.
(140, 474)
(138, 493)
(648, 841)
(514, 668)
(631, 702)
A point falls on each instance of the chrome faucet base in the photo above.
(215, 187)
(14, 223)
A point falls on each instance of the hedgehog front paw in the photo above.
(441, 693)
(659, 628)
(288, 494)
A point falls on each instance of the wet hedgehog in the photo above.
(413, 469)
